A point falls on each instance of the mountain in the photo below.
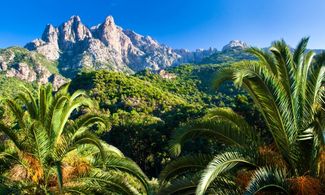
(235, 45)
(73, 47)
(193, 57)
(107, 46)
(232, 52)
(29, 66)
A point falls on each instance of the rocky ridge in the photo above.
(29, 66)
(73, 47)
(107, 46)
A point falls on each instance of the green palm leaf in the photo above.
(50, 147)
(268, 178)
(183, 165)
(127, 166)
(220, 124)
(101, 182)
(223, 163)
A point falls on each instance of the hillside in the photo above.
(30, 67)
(146, 107)
(226, 56)
(77, 47)
(172, 97)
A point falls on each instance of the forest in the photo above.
(243, 123)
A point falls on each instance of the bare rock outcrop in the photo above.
(235, 45)
(22, 71)
(107, 46)
(57, 81)
(29, 66)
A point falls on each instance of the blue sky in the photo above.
(178, 23)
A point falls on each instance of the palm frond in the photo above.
(220, 124)
(224, 74)
(183, 165)
(16, 110)
(84, 122)
(111, 150)
(29, 101)
(229, 115)
(183, 185)
(265, 58)
(66, 113)
(59, 175)
(268, 178)
(126, 165)
(98, 181)
(12, 135)
(41, 141)
(223, 163)
(299, 51)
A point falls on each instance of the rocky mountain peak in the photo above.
(235, 45)
(50, 34)
(109, 21)
(75, 18)
(106, 46)
(73, 31)
(109, 33)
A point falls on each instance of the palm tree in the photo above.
(51, 149)
(289, 92)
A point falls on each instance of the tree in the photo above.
(51, 148)
(288, 89)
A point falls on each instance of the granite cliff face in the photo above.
(193, 56)
(107, 46)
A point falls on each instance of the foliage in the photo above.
(141, 114)
(49, 148)
(287, 88)
(14, 55)
(227, 56)
(262, 131)
(8, 86)
(145, 108)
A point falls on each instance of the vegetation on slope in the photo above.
(227, 56)
(8, 86)
(287, 87)
(145, 108)
(14, 55)
(269, 138)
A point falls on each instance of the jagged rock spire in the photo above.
(50, 34)
(105, 46)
